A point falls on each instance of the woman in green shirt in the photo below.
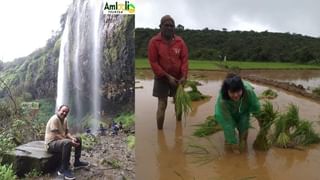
(235, 103)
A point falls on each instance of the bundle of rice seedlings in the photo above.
(291, 131)
(265, 118)
(210, 126)
(292, 116)
(284, 126)
(192, 84)
(304, 134)
(269, 94)
(195, 94)
(283, 140)
(182, 101)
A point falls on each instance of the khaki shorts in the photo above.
(162, 88)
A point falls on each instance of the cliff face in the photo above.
(118, 64)
(36, 74)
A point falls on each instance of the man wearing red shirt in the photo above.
(168, 57)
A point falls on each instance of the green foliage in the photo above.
(265, 118)
(47, 108)
(269, 94)
(7, 173)
(127, 120)
(6, 115)
(131, 141)
(114, 163)
(34, 74)
(88, 141)
(1, 64)
(6, 143)
(210, 126)
(182, 101)
(142, 63)
(239, 45)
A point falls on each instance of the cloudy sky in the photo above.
(294, 16)
(27, 24)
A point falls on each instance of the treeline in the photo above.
(240, 45)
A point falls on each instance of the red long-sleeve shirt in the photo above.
(169, 58)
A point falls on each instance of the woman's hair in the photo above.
(232, 83)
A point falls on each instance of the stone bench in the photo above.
(32, 155)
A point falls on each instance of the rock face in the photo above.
(118, 65)
(36, 74)
(31, 156)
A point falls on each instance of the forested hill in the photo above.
(240, 45)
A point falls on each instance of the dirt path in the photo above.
(289, 87)
(109, 159)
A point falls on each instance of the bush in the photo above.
(7, 173)
(126, 119)
(6, 143)
(88, 141)
(131, 141)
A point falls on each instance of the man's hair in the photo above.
(166, 18)
(63, 105)
(231, 83)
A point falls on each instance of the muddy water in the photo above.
(307, 78)
(167, 154)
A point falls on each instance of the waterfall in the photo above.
(80, 57)
(96, 13)
(62, 85)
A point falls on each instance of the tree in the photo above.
(180, 27)
(1, 65)
(5, 86)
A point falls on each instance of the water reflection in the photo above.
(171, 160)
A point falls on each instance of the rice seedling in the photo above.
(194, 93)
(202, 153)
(265, 118)
(283, 140)
(291, 131)
(182, 102)
(304, 134)
(292, 116)
(210, 126)
(268, 94)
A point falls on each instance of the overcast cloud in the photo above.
(294, 16)
(27, 24)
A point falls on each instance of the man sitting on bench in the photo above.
(59, 140)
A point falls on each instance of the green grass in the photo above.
(142, 63)
(268, 65)
(193, 65)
